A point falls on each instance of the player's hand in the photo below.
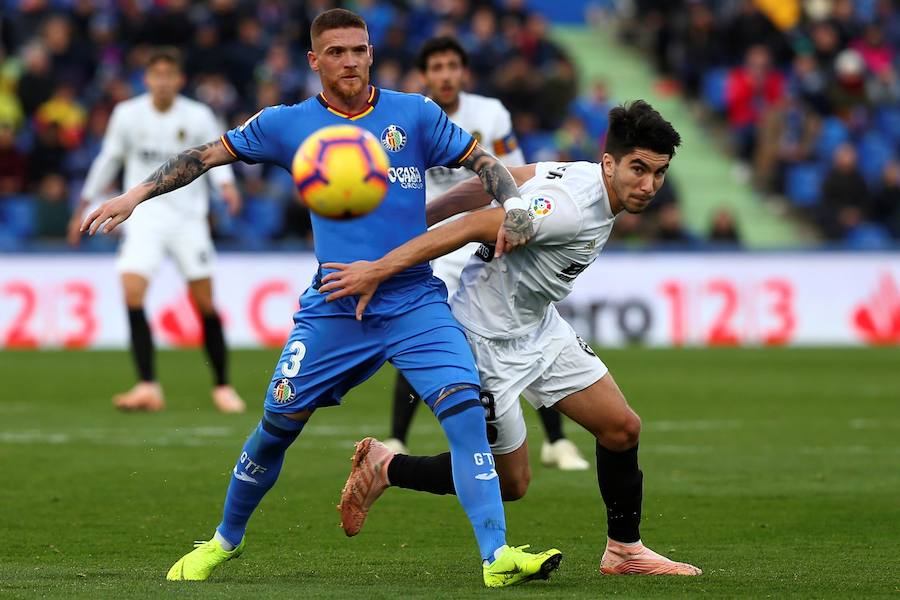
(516, 230)
(110, 214)
(231, 197)
(360, 278)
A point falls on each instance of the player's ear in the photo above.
(313, 60)
(609, 164)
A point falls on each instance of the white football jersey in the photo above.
(508, 297)
(489, 123)
(143, 138)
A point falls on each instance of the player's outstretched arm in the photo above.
(362, 277)
(517, 228)
(177, 172)
(468, 195)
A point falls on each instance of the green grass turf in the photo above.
(777, 471)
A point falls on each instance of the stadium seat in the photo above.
(887, 121)
(539, 145)
(874, 151)
(714, 82)
(833, 134)
(868, 236)
(18, 214)
(804, 183)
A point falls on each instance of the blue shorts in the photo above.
(329, 351)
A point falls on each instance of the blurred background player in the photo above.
(143, 132)
(443, 63)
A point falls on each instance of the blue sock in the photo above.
(256, 471)
(474, 477)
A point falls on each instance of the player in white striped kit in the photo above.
(443, 62)
(520, 342)
(143, 132)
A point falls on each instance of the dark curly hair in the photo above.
(637, 125)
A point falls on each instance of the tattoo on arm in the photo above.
(496, 179)
(517, 226)
(185, 167)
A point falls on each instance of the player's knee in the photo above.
(623, 434)
(514, 487)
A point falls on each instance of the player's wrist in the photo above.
(514, 203)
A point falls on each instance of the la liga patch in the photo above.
(541, 207)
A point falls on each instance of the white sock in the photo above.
(497, 554)
(226, 545)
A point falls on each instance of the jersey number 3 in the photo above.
(291, 366)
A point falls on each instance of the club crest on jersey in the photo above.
(283, 392)
(393, 138)
(541, 207)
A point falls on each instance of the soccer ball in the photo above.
(341, 172)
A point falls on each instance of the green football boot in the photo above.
(515, 566)
(198, 564)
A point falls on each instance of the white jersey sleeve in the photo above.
(112, 153)
(557, 219)
(508, 297)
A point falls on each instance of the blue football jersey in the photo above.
(416, 135)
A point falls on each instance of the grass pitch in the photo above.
(776, 471)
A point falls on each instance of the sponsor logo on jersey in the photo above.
(393, 138)
(409, 178)
(283, 392)
(541, 207)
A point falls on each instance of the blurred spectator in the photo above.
(11, 114)
(13, 163)
(205, 52)
(845, 197)
(808, 82)
(63, 112)
(52, 207)
(698, 49)
(848, 92)
(244, 53)
(575, 143)
(750, 90)
(37, 82)
(593, 109)
(669, 226)
(750, 27)
(873, 48)
(724, 229)
(485, 47)
(886, 200)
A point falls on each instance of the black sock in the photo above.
(423, 473)
(141, 344)
(405, 403)
(214, 340)
(621, 485)
(552, 423)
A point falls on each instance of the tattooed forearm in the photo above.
(518, 227)
(180, 170)
(496, 179)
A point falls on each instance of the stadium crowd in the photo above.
(65, 64)
(809, 91)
